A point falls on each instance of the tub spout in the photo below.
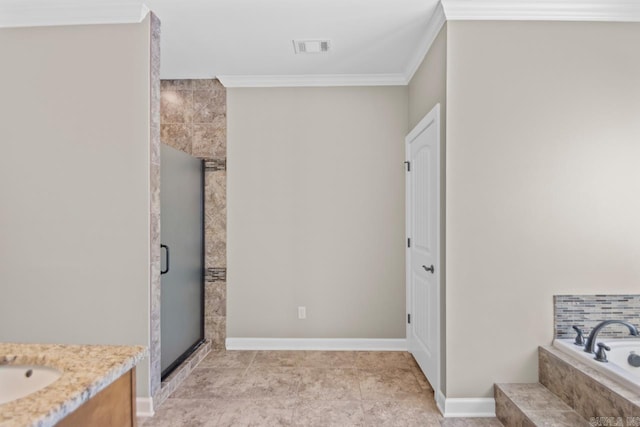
(591, 341)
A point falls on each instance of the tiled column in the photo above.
(194, 120)
(154, 220)
(215, 318)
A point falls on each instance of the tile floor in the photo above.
(303, 388)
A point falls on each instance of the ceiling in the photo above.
(249, 42)
(207, 38)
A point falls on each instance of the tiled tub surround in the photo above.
(86, 370)
(617, 368)
(194, 120)
(586, 390)
(586, 311)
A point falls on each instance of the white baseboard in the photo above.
(465, 407)
(440, 401)
(345, 344)
(144, 407)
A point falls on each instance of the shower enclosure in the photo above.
(182, 275)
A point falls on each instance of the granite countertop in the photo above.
(86, 370)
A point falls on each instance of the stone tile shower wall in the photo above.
(586, 311)
(154, 219)
(194, 120)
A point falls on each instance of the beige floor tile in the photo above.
(280, 388)
(268, 383)
(228, 359)
(412, 360)
(186, 412)
(423, 382)
(425, 400)
(329, 384)
(383, 360)
(209, 383)
(313, 413)
(328, 359)
(415, 368)
(471, 422)
(278, 358)
(389, 384)
(267, 413)
(408, 413)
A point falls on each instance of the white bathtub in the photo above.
(617, 369)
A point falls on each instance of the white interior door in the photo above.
(423, 244)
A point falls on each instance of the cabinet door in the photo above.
(115, 406)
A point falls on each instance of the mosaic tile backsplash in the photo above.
(586, 311)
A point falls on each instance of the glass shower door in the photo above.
(182, 236)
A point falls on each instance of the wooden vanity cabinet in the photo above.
(115, 406)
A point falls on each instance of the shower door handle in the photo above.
(166, 269)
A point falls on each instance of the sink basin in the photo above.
(18, 381)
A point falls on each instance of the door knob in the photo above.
(430, 269)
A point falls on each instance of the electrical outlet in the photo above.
(302, 312)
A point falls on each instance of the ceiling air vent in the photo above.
(311, 46)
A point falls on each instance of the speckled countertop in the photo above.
(86, 370)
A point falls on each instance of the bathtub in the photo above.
(617, 369)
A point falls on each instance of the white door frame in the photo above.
(432, 118)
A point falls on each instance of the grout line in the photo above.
(297, 397)
(293, 412)
(358, 374)
(250, 363)
(219, 420)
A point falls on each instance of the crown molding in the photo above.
(436, 22)
(520, 10)
(33, 13)
(314, 80)
(543, 10)
(41, 13)
(486, 10)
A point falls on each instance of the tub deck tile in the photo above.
(588, 391)
(531, 405)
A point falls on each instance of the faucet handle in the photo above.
(601, 355)
(580, 337)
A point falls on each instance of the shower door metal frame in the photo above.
(172, 367)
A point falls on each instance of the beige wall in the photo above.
(74, 185)
(543, 147)
(316, 212)
(428, 87)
